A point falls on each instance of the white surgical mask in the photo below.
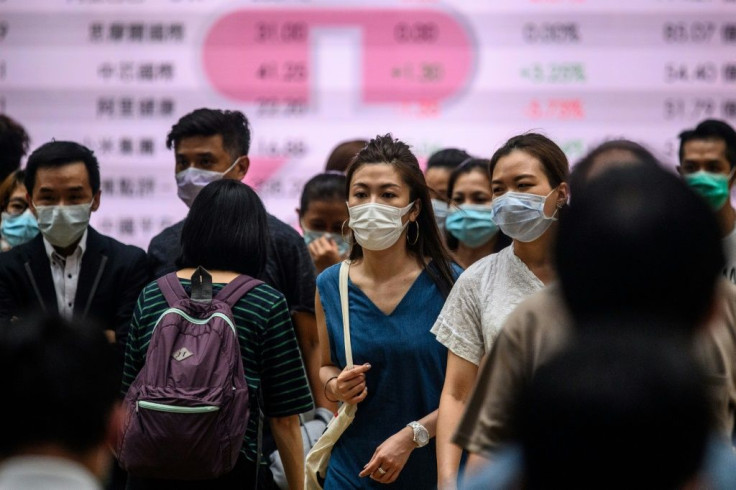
(62, 225)
(520, 215)
(440, 209)
(377, 226)
(192, 180)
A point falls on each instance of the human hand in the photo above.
(324, 253)
(390, 457)
(350, 384)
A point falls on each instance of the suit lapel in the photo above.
(38, 271)
(94, 261)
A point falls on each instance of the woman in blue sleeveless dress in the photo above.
(400, 274)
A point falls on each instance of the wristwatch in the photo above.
(421, 435)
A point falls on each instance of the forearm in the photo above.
(448, 454)
(288, 438)
(308, 339)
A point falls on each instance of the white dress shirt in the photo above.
(65, 273)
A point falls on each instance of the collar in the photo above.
(81, 246)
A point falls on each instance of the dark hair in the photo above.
(448, 158)
(231, 125)
(226, 229)
(581, 170)
(61, 383)
(711, 129)
(341, 156)
(617, 411)
(329, 186)
(386, 149)
(553, 159)
(469, 165)
(58, 154)
(9, 185)
(637, 242)
(14, 143)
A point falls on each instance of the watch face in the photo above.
(421, 436)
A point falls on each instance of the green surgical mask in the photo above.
(712, 186)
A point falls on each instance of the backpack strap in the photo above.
(171, 288)
(236, 289)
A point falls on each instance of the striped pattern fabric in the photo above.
(268, 345)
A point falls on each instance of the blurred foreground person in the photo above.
(62, 380)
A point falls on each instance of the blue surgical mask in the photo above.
(20, 228)
(471, 224)
(440, 209)
(342, 246)
(520, 215)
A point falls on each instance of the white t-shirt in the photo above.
(729, 248)
(483, 296)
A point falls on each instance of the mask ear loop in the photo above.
(342, 233)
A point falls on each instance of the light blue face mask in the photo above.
(20, 228)
(342, 246)
(471, 224)
(440, 209)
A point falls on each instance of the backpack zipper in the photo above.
(196, 321)
(160, 407)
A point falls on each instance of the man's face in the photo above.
(208, 153)
(64, 185)
(706, 154)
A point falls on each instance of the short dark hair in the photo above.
(328, 186)
(342, 155)
(711, 129)
(553, 159)
(448, 158)
(637, 242)
(616, 411)
(581, 170)
(61, 380)
(14, 143)
(226, 229)
(233, 126)
(58, 154)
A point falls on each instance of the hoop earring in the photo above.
(416, 238)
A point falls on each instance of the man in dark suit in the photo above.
(70, 269)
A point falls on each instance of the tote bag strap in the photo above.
(344, 269)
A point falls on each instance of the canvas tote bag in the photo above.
(315, 466)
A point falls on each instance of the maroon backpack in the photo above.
(187, 410)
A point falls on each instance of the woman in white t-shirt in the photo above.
(528, 183)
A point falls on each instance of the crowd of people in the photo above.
(506, 320)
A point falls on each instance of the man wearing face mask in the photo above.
(708, 164)
(212, 144)
(70, 268)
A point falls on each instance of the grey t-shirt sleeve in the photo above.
(458, 326)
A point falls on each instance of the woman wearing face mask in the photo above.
(471, 234)
(439, 168)
(321, 216)
(528, 182)
(398, 278)
(18, 223)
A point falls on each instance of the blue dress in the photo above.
(404, 382)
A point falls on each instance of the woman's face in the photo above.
(326, 215)
(380, 183)
(473, 187)
(521, 172)
(437, 179)
(17, 203)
